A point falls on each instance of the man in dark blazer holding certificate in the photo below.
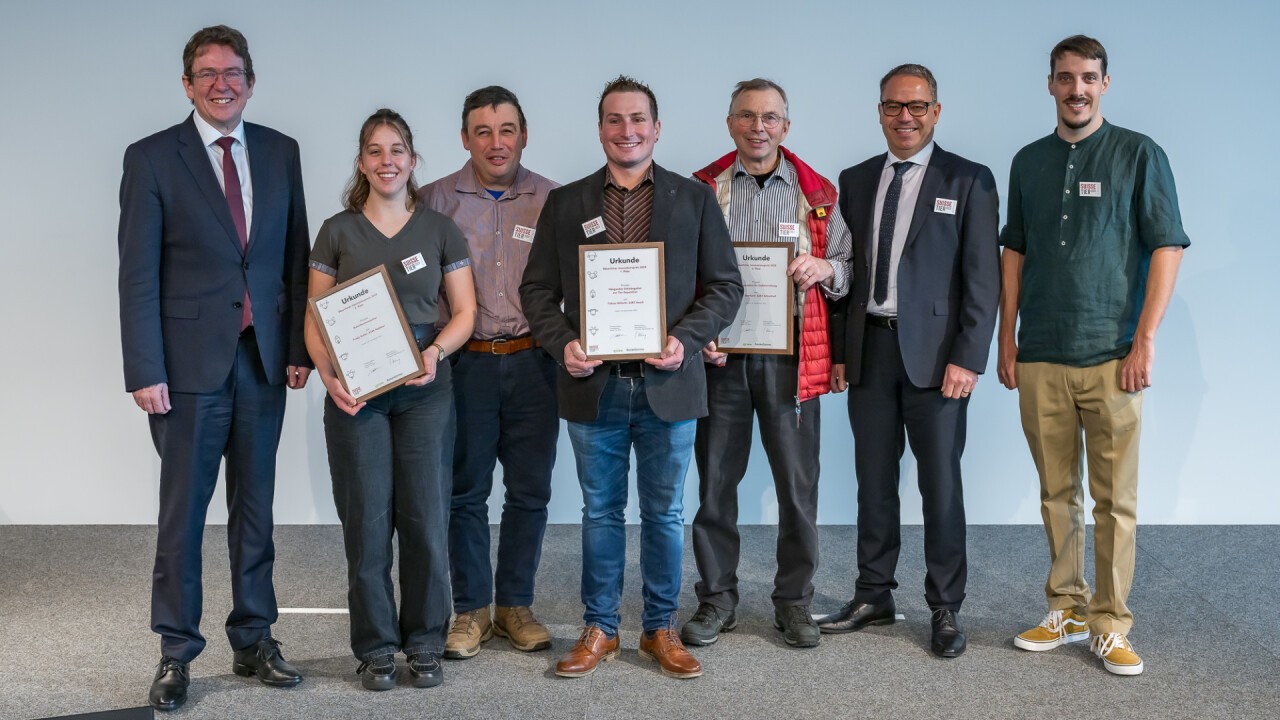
(909, 342)
(213, 248)
(650, 405)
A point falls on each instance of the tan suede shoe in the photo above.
(518, 625)
(469, 629)
(593, 647)
(664, 646)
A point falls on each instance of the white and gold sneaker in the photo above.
(1059, 627)
(1117, 654)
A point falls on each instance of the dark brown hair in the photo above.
(1082, 45)
(217, 35)
(356, 194)
(623, 83)
(911, 70)
(491, 96)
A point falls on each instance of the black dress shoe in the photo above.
(706, 625)
(378, 673)
(169, 689)
(857, 615)
(263, 659)
(425, 670)
(948, 639)
(797, 626)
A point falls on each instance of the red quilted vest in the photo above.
(815, 341)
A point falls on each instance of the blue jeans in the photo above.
(391, 466)
(603, 452)
(507, 407)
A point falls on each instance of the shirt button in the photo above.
(1064, 242)
(501, 294)
(1073, 147)
(1064, 217)
(1071, 167)
(1068, 191)
(499, 263)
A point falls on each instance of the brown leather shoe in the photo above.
(664, 646)
(592, 648)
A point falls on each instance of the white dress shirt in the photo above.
(911, 180)
(239, 155)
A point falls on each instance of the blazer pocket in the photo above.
(185, 309)
(942, 307)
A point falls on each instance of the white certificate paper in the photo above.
(370, 344)
(623, 300)
(765, 318)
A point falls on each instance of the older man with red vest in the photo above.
(768, 194)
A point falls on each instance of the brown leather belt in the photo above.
(502, 346)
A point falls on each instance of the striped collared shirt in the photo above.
(628, 213)
(755, 213)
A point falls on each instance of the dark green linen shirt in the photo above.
(1087, 217)
(417, 257)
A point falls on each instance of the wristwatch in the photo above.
(439, 347)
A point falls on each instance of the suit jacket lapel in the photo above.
(664, 192)
(260, 177)
(592, 207)
(933, 175)
(196, 156)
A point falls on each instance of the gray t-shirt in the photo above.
(417, 257)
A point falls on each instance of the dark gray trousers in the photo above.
(751, 386)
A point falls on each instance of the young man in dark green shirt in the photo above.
(1091, 252)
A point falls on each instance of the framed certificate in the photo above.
(766, 318)
(623, 300)
(370, 344)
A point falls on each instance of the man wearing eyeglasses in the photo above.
(767, 194)
(1091, 251)
(213, 287)
(909, 344)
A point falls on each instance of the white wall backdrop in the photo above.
(84, 79)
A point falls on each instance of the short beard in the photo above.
(1079, 124)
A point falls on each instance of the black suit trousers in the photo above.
(886, 411)
(241, 421)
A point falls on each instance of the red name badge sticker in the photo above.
(791, 230)
(594, 226)
(1090, 189)
(523, 234)
(944, 206)
(413, 264)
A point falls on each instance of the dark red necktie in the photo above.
(235, 203)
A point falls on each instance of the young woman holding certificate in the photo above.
(391, 456)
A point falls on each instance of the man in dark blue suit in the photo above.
(909, 343)
(213, 247)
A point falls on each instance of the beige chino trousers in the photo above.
(1057, 403)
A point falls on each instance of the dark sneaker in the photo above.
(378, 673)
(706, 625)
(425, 670)
(797, 626)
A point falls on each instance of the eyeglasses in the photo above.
(232, 76)
(917, 108)
(747, 119)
